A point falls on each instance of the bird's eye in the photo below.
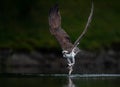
(64, 52)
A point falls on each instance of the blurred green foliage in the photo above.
(24, 23)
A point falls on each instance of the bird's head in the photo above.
(65, 53)
(68, 54)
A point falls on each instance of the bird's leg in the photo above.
(70, 69)
(69, 61)
(71, 64)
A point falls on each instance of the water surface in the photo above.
(60, 80)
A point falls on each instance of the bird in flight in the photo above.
(69, 49)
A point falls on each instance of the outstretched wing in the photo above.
(56, 30)
(86, 27)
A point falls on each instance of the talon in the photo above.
(70, 70)
(70, 67)
(70, 64)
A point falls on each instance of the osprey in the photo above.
(69, 49)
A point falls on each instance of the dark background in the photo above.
(27, 46)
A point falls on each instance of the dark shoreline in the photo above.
(50, 61)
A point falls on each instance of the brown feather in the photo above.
(56, 30)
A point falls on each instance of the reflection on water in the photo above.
(59, 81)
(70, 83)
